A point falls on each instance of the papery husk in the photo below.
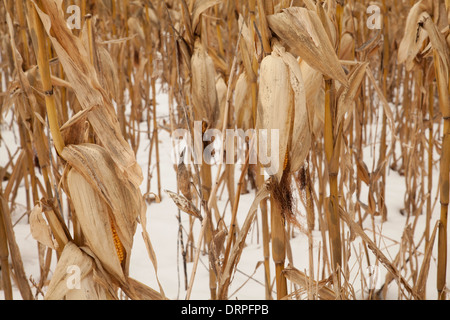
(282, 106)
(120, 199)
(242, 103)
(315, 96)
(301, 131)
(204, 95)
(93, 215)
(274, 108)
(221, 89)
(39, 228)
(71, 258)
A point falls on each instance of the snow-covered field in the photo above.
(248, 281)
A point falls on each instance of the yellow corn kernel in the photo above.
(286, 159)
(117, 242)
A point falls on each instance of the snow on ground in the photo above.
(248, 281)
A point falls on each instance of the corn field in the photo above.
(349, 99)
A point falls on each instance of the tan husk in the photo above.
(100, 171)
(204, 95)
(282, 107)
(72, 263)
(93, 215)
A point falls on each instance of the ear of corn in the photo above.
(117, 243)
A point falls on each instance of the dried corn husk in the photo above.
(274, 107)
(75, 259)
(184, 180)
(315, 96)
(120, 200)
(204, 95)
(221, 89)
(282, 107)
(184, 204)
(242, 103)
(94, 217)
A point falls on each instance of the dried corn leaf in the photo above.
(201, 6)
(315, 96)
(108, 72)
(347, 94)
(301, 279)
(184, 204)
(39, 228)
(415, 35)
(303, 32)
(135, 27)
(328, 25)
(347, 47)
(139, 291)
(439, 44)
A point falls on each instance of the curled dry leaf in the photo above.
(135, 27)
(346, 95)
(301, 279)
(304, 34)
(184, 204)
(199, 7)
(315, 96)
(415, 34)
(184, 180)
(39, 228)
